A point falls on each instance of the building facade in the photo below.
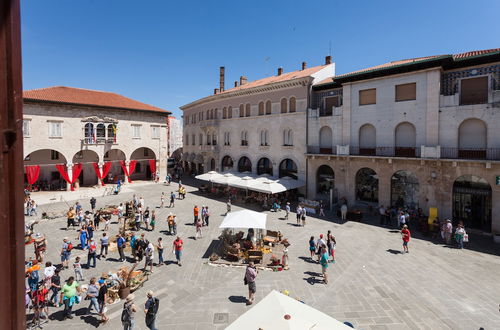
(420, 133)
(120, 137)
(256, 127)
(174, 135)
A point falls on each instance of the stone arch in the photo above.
(325, 140)
(405, 189)
(367, 140)
(472, 202)
(264, 166)
(87, 176)
(227, 163)
(142, 168)
(325, 180)
(284, 105)
(244, 164)
(366, 185)
(405, 140)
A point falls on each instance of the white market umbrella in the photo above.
(279, 312)
(225, 179)
(244, 219)
(209, 176)
(243, 182)
(268, 187)
(291, 183)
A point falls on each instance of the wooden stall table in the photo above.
(255, 256)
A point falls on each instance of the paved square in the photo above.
(372, 286)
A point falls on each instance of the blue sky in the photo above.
(168, 53)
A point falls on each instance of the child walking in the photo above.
(78, 270)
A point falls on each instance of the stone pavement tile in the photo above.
(205, 326)
(383, 320)
(378, 327)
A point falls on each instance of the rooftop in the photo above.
(71, 95)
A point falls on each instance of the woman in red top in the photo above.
(405, 233)
(178, 249)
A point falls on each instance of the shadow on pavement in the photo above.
(237, 299)
(211, 248)
(308, 260)
(393, 251)
(313, 280)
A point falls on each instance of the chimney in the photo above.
(222, 70)
(235, 84)
(243, 80)
(280, 71)
(216, 91)
(328, 60)
(304, 65)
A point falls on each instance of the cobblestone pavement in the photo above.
(372, 285)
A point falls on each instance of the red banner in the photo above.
(152, 167)
(131, 168)
(105, 170)
(63, 170)
(77, 169)
(32, 173)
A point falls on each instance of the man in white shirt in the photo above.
(381, 211)
(287, 210)
(343, 212)
(320, 243)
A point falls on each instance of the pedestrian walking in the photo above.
(83, 237)
(320, 244)
(93, 202)
(303, 216)
(207, 215)
(97, 220)
(104, 245)
(343, 212)
(66, 252)
(92, 293)
(321, 209)
(90, 231)
(228, 206)
(250, 277)
(120, 244)
(299, 213)
(71, 214)
(198, 226)
(159, 247)
(330, 243)
(151, 309)
(69, 296)
(152, 222)
(146, 218)
(107, 221)
(142, 202)
(120, 211)
(177, 248)
(149, 254)
(324, 263)
(33, 208)
(162, 200)
(128, 313)
(312, 247)
(102, 297)
(448, 230)
(92, 255)
(172, 199)
(460, 235)
(405, 234)
(77, 266)
(203, 215)
(196, 212)
(287, 210)
(381, 212)
(55, 287)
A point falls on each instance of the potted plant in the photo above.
(124, 283)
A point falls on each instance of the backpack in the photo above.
(153, 307)
(69, 247)
(126, 313)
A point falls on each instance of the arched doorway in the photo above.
(472, 141)
(367, 140)
(227, 163)
(367, 185)
(87, 177)
(404, 189)
(212, 164)
(115, 156)
(244, 165)
(325, 180)
(142, 168)
(288, 168)
(325, 140)
(406, 140)
(264, 166)
(472, 202)
(49, 178)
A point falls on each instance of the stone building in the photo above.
(257, 126)
(421, 132)
(174, 135)
(69, 126)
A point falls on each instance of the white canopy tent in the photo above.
(243, 182)
(280, 312)
(244, 219)
(209, 176)
(226, 179)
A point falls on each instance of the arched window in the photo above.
(247, 110)
(367, 140)
(214, 139)
(268, 108)
(325, 180)
(293, 104)
(284, 105)
(288, 168)
(244, 138)
(227, 141)
(101, 132)
(194, 139)
(200, 139)
(187, 139)
(472, 141)
(406, 140)
(111, 133)
(325, 140)
(367, 185)
(264, 166)
(209, 139)
(212, 164)
(264, 138)
(89, 133)
(261, 108)
(215, 113)
(224, 113)
(244, 165)
(242, 110)
(227, 163)
(207, 117)
(288, 137)
(230, 112)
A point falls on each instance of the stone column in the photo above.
(99, 182)
(70, 175)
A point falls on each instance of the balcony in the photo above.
(210, 122)
(317, 150)
(98, 141)
(472, 154)
(406, 152)
(209, 148)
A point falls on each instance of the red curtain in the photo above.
(32, 173)
(77, 169)
(152, 166)
(131, 168)
(105, 170)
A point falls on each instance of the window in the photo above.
(268, 107)
(227, 141)
(261, 108)
(288, 137)
(55, 129)
(214, 139)
(193, 137)
(230, 112)
(284, 105)
(136, 131)
(54, 155)
(244, 138)
(474, 90)
(155, 132)
(26, 127)
(263, 138)
(209, 140)
(112, 132)
(368, 96)
(406, 92)
(200, 139)
(293, 104)
(224, 113)
(187, 139)
(330, 103)
(242, 110)
(247, 110)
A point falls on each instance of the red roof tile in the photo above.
(475, 53)
(61, 94)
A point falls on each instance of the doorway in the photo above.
(472, 202)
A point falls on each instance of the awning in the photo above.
(226, 179)
(244, 219)
(208, 176)
(280, 312)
